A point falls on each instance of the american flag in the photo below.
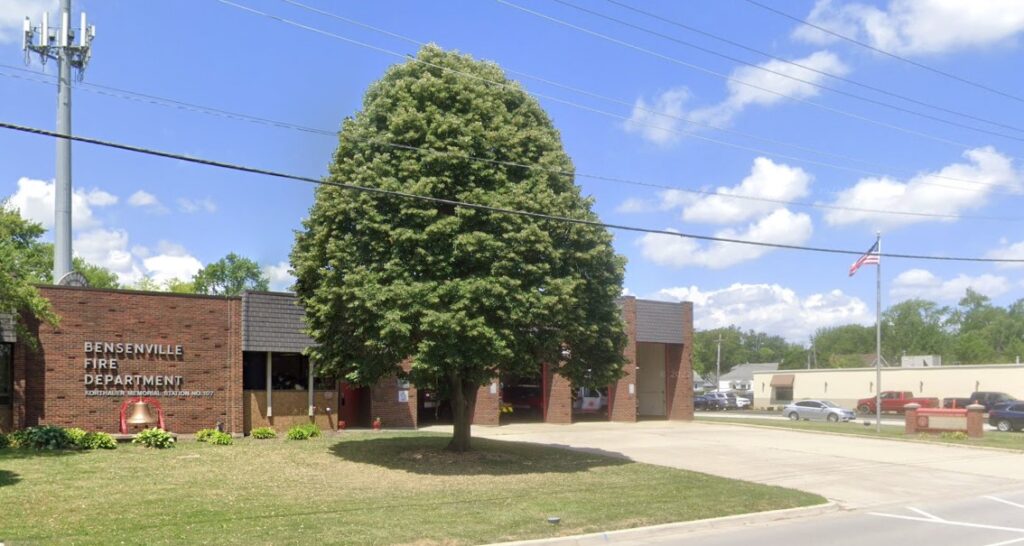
(869, 257)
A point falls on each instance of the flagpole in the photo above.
(878, 336)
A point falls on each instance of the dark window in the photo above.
(782, 394)
(254, 371)
(291, 372)
(6, 381)
(804, 404)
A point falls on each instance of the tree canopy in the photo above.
(228, 276)
(463, 295)
(23, 263)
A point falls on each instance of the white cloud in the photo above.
(35, 201)
(163, 267)
(926, 193)
(767, 180)
(658, 122)
(1008, 251)
(741, 96)
(780, 226)
(108, 248)
(921, 283)
(13, 13)
(148, 201)
(917, 26)
(281, 278)
(196, 205)
(770, 308)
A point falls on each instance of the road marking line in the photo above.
(925, 514)
(1004, 501)
(1005, 542)
(948, 522)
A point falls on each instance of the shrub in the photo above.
(42, 437)
(303, 432)
(155, 438)
(76, 435)
(91, 440)
(5, 441)
(204, 435)
(220, 439)
(264, 433)
(97, 440)
(958, 435)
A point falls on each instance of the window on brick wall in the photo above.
(290, 372)
(6, 381)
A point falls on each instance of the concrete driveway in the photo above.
(855, 472)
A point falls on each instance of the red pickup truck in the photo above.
(894, 401)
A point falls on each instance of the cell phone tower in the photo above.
(59, 43)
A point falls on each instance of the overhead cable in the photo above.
(475, 206)
(912, 62)
(621, 117)
(172, 103)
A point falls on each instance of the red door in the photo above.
(349, 404)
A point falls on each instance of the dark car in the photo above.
(707, 403)
(1008, 416)
(985, 398)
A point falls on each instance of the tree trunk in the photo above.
(463, 402)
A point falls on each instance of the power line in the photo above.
(796, 64)
(613, 100)
(727, 77)
(161, 101)
(475, 206)
(626, 118)
(886, 53)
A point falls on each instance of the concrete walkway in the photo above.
(854, 472)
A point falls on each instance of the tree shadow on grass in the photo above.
(426, 455)
(8, 478)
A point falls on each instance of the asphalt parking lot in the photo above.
(855, 472)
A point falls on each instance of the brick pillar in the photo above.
(486, 411)
(235, 415)
(623, 402)
(910, 418)
(975, 420)
(384, 402)
(557, 392)
(679, 371)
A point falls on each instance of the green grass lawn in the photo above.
(357, 488)
(1006, 440)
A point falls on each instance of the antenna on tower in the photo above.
(60, 45)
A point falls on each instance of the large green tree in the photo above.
(229, 276)
(462, 295)
(23, 263)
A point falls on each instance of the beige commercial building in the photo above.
(846, 386)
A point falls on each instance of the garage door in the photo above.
(650, 388)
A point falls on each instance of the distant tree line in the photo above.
(974, 331)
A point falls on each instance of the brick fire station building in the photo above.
(239, 361)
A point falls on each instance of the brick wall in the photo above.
(622, 402)
(679, 359)
(49, 384)
(486, 412)
(384, 403)
(557, 392)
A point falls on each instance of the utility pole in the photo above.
(59, 44)
(718, 366)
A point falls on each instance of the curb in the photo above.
(627, 536)
(849, 434)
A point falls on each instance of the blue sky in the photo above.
(147, 216)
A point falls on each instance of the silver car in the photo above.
(817, 410)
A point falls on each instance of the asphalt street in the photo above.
(987, 520)
(914, 493)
